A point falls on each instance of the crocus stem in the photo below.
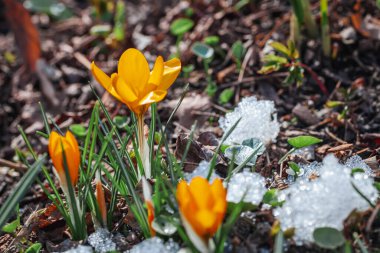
(143, 147)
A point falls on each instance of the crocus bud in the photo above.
(65, 145)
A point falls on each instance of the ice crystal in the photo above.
(101, 240)
(202, 170)
(258, 120)
(325, 201)
(309, 171)
(155, 245)
(249, 183)
(80, 249)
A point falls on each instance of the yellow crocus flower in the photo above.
(134, 84)
(202, 207)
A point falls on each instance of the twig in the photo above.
(334, 137)
(17, 166)
(315, 78)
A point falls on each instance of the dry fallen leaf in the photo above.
(26, 34)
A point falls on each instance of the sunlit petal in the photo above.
(125, 92)
(104, 80)
(134, 70)
(153, 96)
(200, 189)
(156, 74)
(172, 68)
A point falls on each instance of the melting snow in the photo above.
(101, 240)
(327, 200)
(155, 245)
(258, 120)
(80, 249)
(248, 183)
(201, 170)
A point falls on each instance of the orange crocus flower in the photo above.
(202, 207)
(68, 144)
(134, 84)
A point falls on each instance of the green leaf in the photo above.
(188, 68)
(357, 170)
(34, 248)
(121, 121)
(294, 167)
(181, 26)
(279, 242)
(238, 50)
(270, 198)
(11, 227)
(100, 30)
(202, 50)
(281, 48)
(333, 104)
(226, 96)
(21, 188)
(120, 21)
(377, 185)
(274, 59)
(298, 10)
(78, 130)
(328, 238)
(303, 141)
(53, 8)
(212, 40)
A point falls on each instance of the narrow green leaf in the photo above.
(8, 207)
(238, 50)
(279, 242)
(303, 141)
(281, 48)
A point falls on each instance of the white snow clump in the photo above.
(202, 171)
(155, 245)
(325, 201)
(249, 183)
(258, 120)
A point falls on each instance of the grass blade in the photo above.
(22, 187)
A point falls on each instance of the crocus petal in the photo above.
(134, 70)
(207, 218)
(53, 142)
(104, 80)
(153, 96)
(72, 156)
(200, 190)
(157, 71)
(198, 241)
(172, 68)
(125, 92)
(100, 199)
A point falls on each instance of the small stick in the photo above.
(17, 166)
